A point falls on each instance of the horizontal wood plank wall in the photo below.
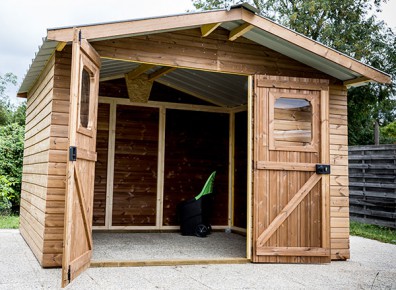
(35, 162)
(189, 49)
(102, 139)
(196, 144)
(135, 166)
(240, 170)
(53, 243)
(339, 192)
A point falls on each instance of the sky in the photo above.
(23, 23)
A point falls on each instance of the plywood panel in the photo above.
(102, 140)
(135, 166)
(196, 144)
(240, 173)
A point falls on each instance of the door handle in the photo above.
(322, 168)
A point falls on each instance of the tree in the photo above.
(349, 26)
(12, 122)
(5, 105)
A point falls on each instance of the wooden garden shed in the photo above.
(126, 119)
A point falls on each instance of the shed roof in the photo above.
(239, 20)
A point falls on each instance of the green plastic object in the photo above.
(208, 187)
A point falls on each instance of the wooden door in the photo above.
(77, 248)
(291, 200)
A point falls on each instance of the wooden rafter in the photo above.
(207, 29)
(141, 69)
(159, 73)
(61, 45)
(239, 31)
(356, 81)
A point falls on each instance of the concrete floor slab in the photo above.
(372, 266)
(166, 246)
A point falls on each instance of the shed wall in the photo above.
(339, 192)
(45, 157)
(35, 161)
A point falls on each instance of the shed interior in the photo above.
(153, 155)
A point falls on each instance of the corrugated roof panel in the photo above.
(256, 35)
(113, 68)
(223, 89)
(282, 46)
(38, 64)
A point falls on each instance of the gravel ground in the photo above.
(372, 266)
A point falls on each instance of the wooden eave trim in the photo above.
(145, 26)
(315, 47)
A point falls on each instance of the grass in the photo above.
(382, 234)
(9, 222)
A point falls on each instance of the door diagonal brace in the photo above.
(288, 209)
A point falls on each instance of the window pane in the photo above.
(292, 122)
(84, 105)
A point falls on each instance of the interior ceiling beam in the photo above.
(356, 82)
(141, 69)
(207, 29)
(239, 31)
(159, 73)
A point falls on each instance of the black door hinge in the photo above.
(68, 275)
(72, 153)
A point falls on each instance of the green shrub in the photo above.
(11, 160)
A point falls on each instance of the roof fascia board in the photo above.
(153, 25)
(315, 47)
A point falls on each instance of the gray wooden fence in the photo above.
(372, 184)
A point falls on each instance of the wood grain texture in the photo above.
(339, 180)
(196, 144)
(240, 170)
(287, 203)
(102, 139)
(36, 152)
(135, 166)
(215, 53)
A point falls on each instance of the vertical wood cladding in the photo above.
(240, 170)
(196, 144)
(135, 166)
(102, 139)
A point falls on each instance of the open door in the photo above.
(77, 247)
(291, 170)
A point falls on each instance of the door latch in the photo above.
(322, 168)
(72, 153)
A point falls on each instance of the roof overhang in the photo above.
(254, 27)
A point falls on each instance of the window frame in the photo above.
(313, 99)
